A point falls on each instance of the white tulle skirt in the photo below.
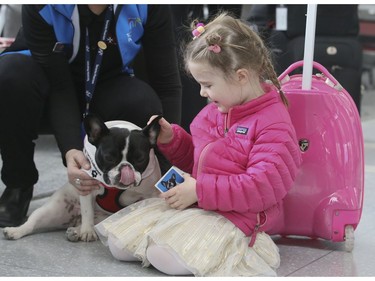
(207, 242)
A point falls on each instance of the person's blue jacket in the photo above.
(129, 29)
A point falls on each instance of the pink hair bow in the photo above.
(198, 30)
(214, 48)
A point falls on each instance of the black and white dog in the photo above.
(122, 157)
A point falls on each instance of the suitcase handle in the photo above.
(316, 65)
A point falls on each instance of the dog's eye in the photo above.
(109, 159)
(140, 159)
(140, 162)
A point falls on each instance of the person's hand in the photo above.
(75, 161)
(182, 195)
(5, 42)
(166, 132)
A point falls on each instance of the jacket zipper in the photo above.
(257, 227)
(227, 122)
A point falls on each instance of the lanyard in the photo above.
(91, 79)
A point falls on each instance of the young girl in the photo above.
(242, 157)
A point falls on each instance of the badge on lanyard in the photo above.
(102, 45)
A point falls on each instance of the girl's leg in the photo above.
(118, 253)
(163, 260)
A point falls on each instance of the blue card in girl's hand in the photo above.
(170, 179)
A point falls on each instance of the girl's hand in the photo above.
(75, 161)
(166, 132)
(183, 195)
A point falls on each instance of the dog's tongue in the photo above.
(127, 175)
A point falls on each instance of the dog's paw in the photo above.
(88, 236)
(75, 234)
(12, 233)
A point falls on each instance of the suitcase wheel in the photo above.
(349, 238)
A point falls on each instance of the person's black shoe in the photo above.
(14, 204)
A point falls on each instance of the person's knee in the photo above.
(119, 253)
(126, 98)
(14, 66)
(163, 260)
(21, 79)
(144, 102)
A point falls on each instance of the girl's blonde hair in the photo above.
(240, 47)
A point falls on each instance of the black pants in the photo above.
(24, 92)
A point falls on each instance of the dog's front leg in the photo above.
(84, 232)
(87, 212)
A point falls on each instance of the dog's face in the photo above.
(122, 153)
(170, 183)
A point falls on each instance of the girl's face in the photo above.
(225, 93)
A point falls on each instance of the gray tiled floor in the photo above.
(50, 254)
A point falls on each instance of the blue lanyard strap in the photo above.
(92, 79)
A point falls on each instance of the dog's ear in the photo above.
(95, 128)
(152, 130)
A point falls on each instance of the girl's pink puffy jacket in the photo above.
(244, 161)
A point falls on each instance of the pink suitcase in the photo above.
(327, 197)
